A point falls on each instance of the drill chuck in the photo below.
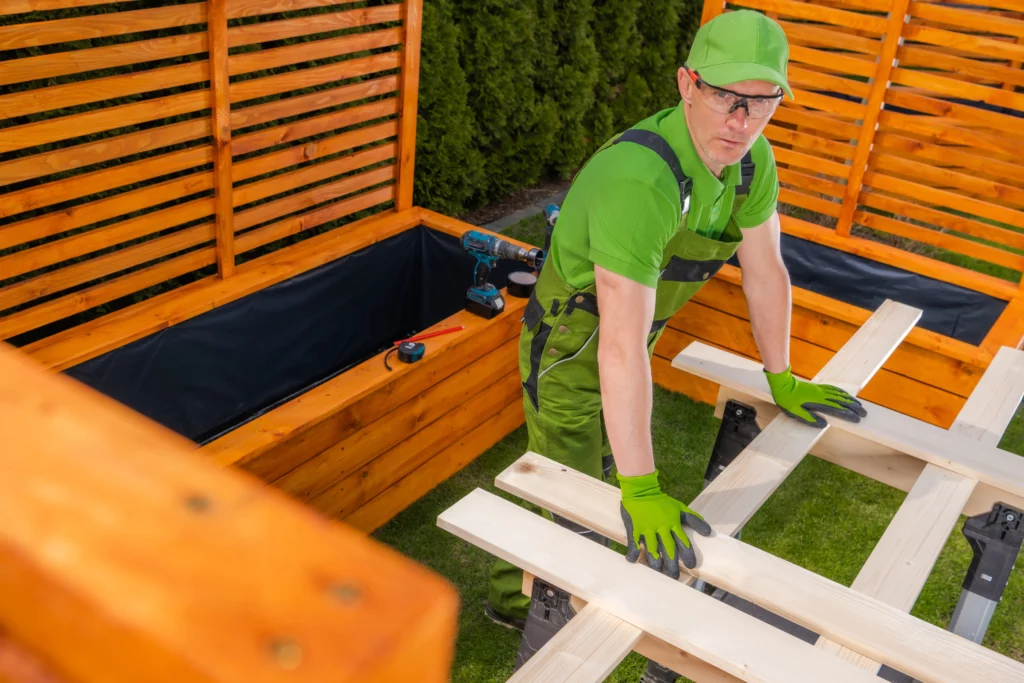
(490, 246)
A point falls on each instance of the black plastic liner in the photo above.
(947, 309)
(210, 374)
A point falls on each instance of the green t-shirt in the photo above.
(623, 207)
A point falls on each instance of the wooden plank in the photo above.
(248, 218)
(442, 466)
(951, 113)
(739, 491)
(977, 163)
(815, 12)
(313, 50)
(901, 562)
(816, 121)
(52, 130)
(817, 80)
(981, 46)
(817, 34)
(870, 459)
(815, 143)
(806, 201)
(83, 185)
(995, 400)
(223, 227)
(272, 444)
(811, 163)
(943, 219)
(865, 141)
(102, 25)
(1001, 470)
(949, 87)
(123, 542)
(363, 484)
(946, 132)
(829, 314)
(869, 625)
(112, 56)
(828, 104)
(887, 387)
(413, 19)
(809, 182)
(892, 184)
(942, 240)
(831, 60)
(917, 56)
(728, 639)
(94, 90)
(320, 471)
(87, 341)
(587, 650)
(1009, 328)
(69, 158)
(915, 263)
(968, 19)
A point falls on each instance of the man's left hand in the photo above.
(805, 400)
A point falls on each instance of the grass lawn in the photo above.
(824, 518)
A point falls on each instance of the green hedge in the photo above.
(513, 92)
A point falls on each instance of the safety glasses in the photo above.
(726, 101)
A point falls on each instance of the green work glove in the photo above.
(656, 520)
(804, 400)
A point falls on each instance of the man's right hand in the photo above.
(656, 520)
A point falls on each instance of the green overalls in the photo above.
(558, 349)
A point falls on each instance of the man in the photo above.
(648, 220)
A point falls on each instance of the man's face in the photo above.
(722, 138)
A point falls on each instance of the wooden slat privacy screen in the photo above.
(906, 127)
(124, 165)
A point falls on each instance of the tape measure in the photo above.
(408, 352)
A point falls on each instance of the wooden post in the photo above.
(410, 85)
(217, 26)
(876, 99)
(712, 8)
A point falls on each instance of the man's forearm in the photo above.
(770, 301)
(626, 395)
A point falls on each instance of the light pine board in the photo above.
(840, 613)
(732, 641)
(901, 562)
(950, 450)
(740, 490)
(588, 649)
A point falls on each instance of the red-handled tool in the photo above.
(411, 350)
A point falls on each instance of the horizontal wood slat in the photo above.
(142, 51)
(831, 61)
(801, 199)
(820, 36)
(810, 162)
(936, 58)
(810, 142)
(967, 18)
(966, 160)
(816, 12)
(101, 25)
(975, 45)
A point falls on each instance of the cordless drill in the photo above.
(483, 298)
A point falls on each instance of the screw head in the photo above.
(1011, 517)
(198, 503)
(739, 411)
(286, 653)
(345, 592)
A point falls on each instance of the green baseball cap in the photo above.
(740, 46)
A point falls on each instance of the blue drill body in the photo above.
(482, 297)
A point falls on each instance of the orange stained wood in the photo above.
(915, 263)
(314, 476)
(360, 486)
(869, 126)
(81, 343)
(276, 443)
(412, 11)
(1009, 329)
(144, 583)
(224, 225)
(816, 12)
(439, 468)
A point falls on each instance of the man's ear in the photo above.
(685, 85)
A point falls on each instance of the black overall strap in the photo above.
(660, 146)
(747, 170)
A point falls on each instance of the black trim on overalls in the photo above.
(681, 270)
(660, 146)
(747, 170)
